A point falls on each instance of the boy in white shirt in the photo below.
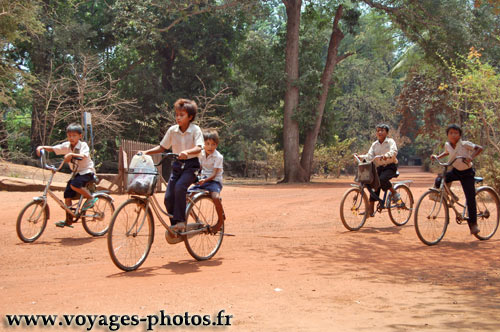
(383, 153)
(186, 140)
(212, 163)
(461, 169)
(75, 148)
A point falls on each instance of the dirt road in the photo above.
(291, 267)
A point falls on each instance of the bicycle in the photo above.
(432, 211)
(131, 231)
(32, 219)
(354, 204)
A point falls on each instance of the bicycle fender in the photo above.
(41, 199)
(103, 193)
(408, 182)
(488, 187)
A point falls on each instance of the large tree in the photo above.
(299, 170)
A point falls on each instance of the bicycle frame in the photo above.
(444, 192)
(76, 213)
(383, 203)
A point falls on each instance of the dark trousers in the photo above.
(385, 173)
(466, 179)
(182, 176)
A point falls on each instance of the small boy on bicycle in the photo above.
(387, 164)
(212, 163)
(186, 139)
(75, 148)
(461, 169)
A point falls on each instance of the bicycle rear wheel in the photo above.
(400, 214)
(200, 213)
(96, 220)
(31, 221)
(431, 217)
(131, 234)
(487, 212)
(353, 209)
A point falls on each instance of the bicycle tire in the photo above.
(204, 245)
(356, 214)
(487, 203)
(400, 215)
(96, 220)
(37, 226)
(431, 230)
(127, 248)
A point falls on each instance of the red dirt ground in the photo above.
(291, 267)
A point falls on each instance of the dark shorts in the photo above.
(79, 181)
(212, 186)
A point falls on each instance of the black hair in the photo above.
(383, 126)
(455, 127)
(74, 128)
(211, 134)
(187, 105)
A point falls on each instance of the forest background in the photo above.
(297, 86)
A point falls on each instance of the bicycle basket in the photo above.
(142, 176)
(365, 173)
(141, 181)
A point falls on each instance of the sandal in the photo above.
(63, 224)
(89, 203)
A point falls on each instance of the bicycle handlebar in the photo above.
(166, 156)
(449, 163)
(43, 162)
(376, 157)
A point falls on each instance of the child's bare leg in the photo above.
(82, 191)
(69, 217)
(215, 195)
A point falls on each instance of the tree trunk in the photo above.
(40, 57)
(293, 169)
(331, 61)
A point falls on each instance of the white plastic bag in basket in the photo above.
(137, 181)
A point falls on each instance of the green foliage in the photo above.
(475, 93)
(333, 159)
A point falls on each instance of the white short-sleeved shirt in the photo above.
(86, 165)
(180, 141)
(210, 162)
(462, 149)
(387, 148)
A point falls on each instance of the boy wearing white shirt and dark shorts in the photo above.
(75, 148)
(387, 164)
(212, 163)
(186, 140)
(462, 169)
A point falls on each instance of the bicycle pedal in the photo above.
(172, 239)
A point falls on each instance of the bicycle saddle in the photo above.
(478, 179)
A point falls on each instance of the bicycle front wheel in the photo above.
(204, 244)
(96, 220)
(431, 217)
(131, 234)
(31, 221)
(353, 209)
(487, 212)
(401, 213)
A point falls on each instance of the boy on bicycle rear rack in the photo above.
(462, 169)
(386, 164)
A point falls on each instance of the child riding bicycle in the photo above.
(383, 153)
(77, 155)
(186, 140)
(462, 169)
